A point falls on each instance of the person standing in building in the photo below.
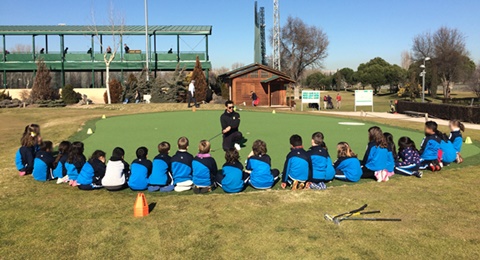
(125, 47)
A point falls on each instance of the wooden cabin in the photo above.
(269, 84)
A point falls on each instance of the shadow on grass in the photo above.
(151, 206)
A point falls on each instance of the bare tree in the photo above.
(237, 65)
(116, 28)
(302, 46)
(448, 53)
(406, 60)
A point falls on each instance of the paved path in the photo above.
(394, 117)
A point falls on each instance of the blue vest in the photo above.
(261, 173)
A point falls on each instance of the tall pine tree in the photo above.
(42, 89)
(200, 82)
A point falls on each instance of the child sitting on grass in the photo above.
(204, 169)
(322, 166)
(117, 171)
(140, 170)
(449, 154)
(262, 176)
(43, 163)
(161, 177)
(298, 167)
(347, 166)
(408, 158)
(456, 128)
(93, 171)
(232, 179)
(182, 166)
(375, 160)
(429, 150)
(26, 153)
(75, 162)
(392, 154)
(59, 171)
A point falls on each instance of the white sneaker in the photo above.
(62, 180)
(237, 146)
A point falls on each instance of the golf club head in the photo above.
(328, 217)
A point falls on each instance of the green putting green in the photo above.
(133, 131)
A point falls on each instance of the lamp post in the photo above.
(422, 74)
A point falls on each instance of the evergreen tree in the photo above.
(42, 89)
(69, 95)
(200, 82)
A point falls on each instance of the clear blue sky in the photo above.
(358, 30)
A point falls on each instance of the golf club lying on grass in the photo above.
(337, 221)
(331, 218)
(215, 136)
(357, 212)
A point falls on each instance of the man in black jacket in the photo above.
(230, 121)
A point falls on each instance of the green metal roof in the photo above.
(104, 29)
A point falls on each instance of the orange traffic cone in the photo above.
(140, 208)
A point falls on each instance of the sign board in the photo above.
(309, 96)
(363, 98)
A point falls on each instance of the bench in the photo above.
(416, 114)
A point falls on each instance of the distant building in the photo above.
(269, 84)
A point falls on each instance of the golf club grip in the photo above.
(370, 212)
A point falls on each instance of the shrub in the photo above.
(42, 89)
(200, 82)
(116, 92)
(443, 111)
(4, 95)
(69, 96)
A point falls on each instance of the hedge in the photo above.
(444, 111)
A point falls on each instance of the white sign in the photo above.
(310, 96)
(363, 98)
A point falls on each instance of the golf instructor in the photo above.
(230, 121)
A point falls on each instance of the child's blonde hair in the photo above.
(344, 150)
(204, 147)
(259, 147)
(457, 123)
(182, 143)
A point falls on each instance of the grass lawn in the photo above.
(439, 212)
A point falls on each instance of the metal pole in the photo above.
(423, 86)
(146, 38)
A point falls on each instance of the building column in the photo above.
(206, 48)
(269, 95)
(33, 47)
(46, 44)
(62, 49)
(92, 57)
(178, 48)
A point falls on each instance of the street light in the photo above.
(422, 74)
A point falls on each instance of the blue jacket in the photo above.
(390, 160)
(429, 148)
(408, 156)
(298, 166)
(60, 171)
(140, 170)
(182, 167)
(322, 166)
(24, 159)
(376, 158)
(457, 140)
(233, 177)
(261, 173)
(74, 168)
(92, 172)
(350, 166)
(43, 164)
(449, 153)
(204, 170)
(161, 171)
